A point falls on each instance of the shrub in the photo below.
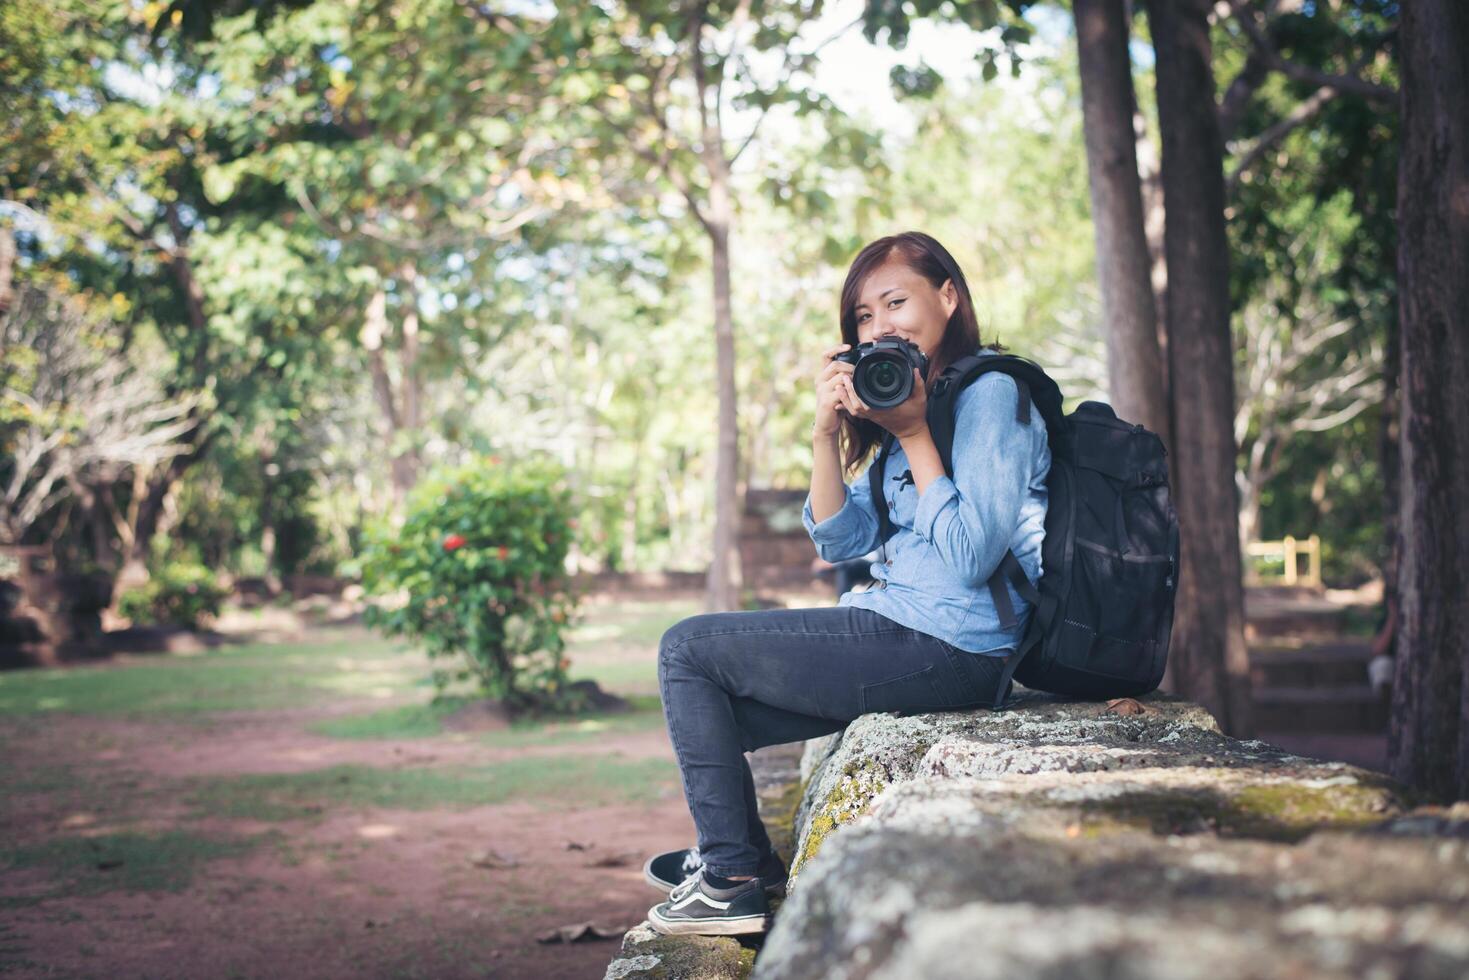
(476, 572)
(180, 593)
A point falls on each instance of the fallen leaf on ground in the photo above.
(581, 932)
(493, 859)
(1124, 706)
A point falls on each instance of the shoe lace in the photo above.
(687, 885)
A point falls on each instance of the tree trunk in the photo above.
(724, 580)
(375, 331)
(1428, 746)
(268, 537)
(1208, 659)
(148, 510)
(409, 381)
(1153, 221)
(1134, 365)
(1390, 459)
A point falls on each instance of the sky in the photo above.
(856, 74)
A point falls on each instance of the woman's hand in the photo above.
(909, 417)
(836, 397)
(833, 393)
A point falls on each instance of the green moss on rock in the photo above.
(683, 958)
(1295, 808)
(1285, 811)
(854, 792)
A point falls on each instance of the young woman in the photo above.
(926, 636)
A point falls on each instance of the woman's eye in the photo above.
(896, 301)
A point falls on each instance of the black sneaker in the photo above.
(696, 908)
(664, 871)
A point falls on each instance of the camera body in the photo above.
(882, 370)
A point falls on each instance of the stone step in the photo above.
(1340, 664)
(1320, 710)
(1280, 612)
(1315, 624)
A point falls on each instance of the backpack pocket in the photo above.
(1118, 604)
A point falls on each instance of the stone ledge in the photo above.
(646, 955)
(1058, 839)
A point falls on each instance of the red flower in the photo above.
(454, 542)
(504, 552)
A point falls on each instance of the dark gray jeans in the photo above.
(737, 681)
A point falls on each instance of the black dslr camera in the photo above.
(882, 371)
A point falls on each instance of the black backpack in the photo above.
(1103, 609)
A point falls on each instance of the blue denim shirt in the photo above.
(945, 544)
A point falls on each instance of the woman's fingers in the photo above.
(854, 404)
(833, 368)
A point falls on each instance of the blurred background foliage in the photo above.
(348, 241)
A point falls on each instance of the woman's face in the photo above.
(895, 301)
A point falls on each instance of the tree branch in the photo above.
(1303, 113)
(1239, 93)
(787, 68)
(1244, 15)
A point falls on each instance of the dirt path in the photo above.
(277, 742)
(382, 894)
(359, 892)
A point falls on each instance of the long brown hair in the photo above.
(925, 256)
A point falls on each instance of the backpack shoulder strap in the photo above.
(879, 500)
(1035, 388)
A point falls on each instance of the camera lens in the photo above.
(884, 378)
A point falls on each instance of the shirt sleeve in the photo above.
(970, 518)
(852, 531)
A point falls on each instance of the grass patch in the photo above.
(404, 721)
(620, 676)
(647, 715)
(262, 677)
(427, 720)
(242, 678)
(633, 623)
(165, 861)
(617, 645)
(562, 781)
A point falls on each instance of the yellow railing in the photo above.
(1287, 551)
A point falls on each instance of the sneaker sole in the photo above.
(774, 891)
(742, 926)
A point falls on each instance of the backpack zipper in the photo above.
(1104, 550)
